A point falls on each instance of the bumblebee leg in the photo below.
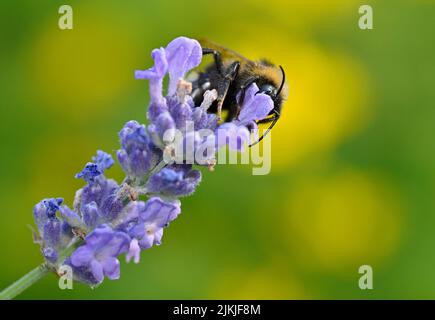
(229, 76)
(274, 120)
(217, 59)
(267, 120)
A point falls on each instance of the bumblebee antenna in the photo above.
(282, 82)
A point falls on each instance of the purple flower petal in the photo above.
(90, 214)
(70, 216)
(204, 120)
(50, 254)
(233, 135)
(107, 241)
(156, 108)
(174, 181)
(158, 234)
(138, 230)
(155, 74)
(138, 155)
(182, 54)
(51, 232)
(111, 268)
(97, 270)
(103, 160)
(147, 241)
(159, 212)
(116, 245)
(52, 206)
(132, 210)
(89, 172)
(40, 215)
(45, 210)
(111, 207)
(182, 114)
(98, 255)
(82, 256)
(97, 191)
(165, 129)
(205, 150)
(159, 69)
(133, 251)
(255, 106)
(154, 215)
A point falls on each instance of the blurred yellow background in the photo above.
(353, 157)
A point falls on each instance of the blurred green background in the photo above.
(353, 158)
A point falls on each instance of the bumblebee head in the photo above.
(276, 93)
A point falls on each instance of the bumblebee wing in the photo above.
(226, 54)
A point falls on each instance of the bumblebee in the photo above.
(231, 74)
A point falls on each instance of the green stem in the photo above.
(24, 282)
(36, 274)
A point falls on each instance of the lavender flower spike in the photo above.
(107, 219)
